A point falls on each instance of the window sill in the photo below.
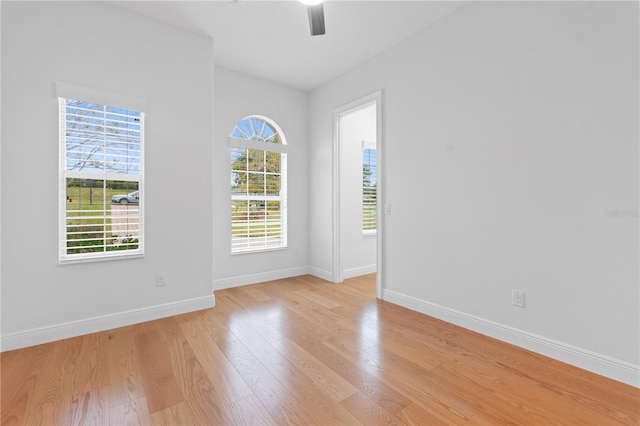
(369, 233)
(257, 250)
(70, 260)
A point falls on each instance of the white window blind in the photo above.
(258, 186)
(369, 187)
(101, 181)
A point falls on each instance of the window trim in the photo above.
(67, 91)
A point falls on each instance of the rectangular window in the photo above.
(369, 188)
(258, 217)
(101, 181)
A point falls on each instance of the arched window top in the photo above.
(258, 128)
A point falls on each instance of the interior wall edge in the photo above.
(321, 273)
(361, 270)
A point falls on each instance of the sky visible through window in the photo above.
(101, 138)
(253, 128)
(370, 158)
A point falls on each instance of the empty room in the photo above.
(320, 212)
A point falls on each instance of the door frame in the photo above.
(374, 98)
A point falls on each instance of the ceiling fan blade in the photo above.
(316, 19)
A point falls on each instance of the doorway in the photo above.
(357, 190)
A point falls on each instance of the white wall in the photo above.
(96, 45)
(510, 132)
(238, 96)
(357, 251)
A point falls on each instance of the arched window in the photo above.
(258, 186)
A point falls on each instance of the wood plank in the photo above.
(367, 411)
(178, 414)
(202, 349)
(125, 385)
(370, 385)
(321, 408)
(410, 350)
(84, 363)
(250, 411)
(570, 408)
(322, 377)
(130, 413)
(51, 399)
(424, 390)
(594, 389)
(160, 385)
(90, 408)
(279, 402)
(414, 415)
(49, 404)
(204, 398)
(18, 384)
(316, 297)
(325, 327)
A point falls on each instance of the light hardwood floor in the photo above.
(302, 351)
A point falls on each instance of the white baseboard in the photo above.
(241, 280)
(321, 273)
(36, 336)
(356, 272)
(615, 369)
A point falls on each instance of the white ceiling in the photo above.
(271, 40)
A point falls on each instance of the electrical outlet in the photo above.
(161, 279)
(517, 298)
